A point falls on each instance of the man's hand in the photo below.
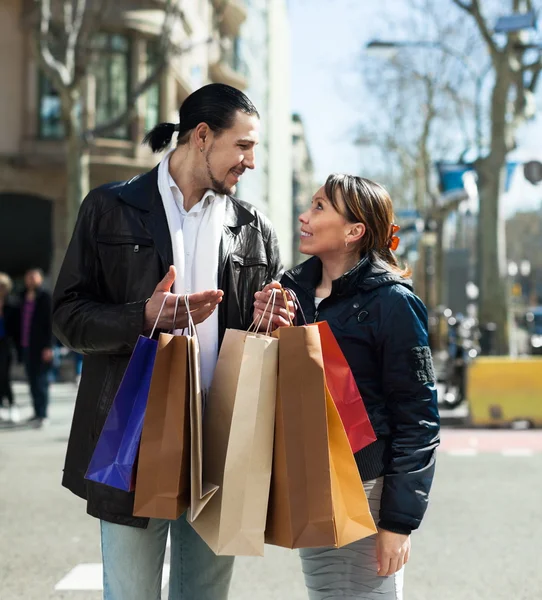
(47, 355)
(277, 314)
(392, 552)
(202, 305)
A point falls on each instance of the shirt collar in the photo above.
(179, 198)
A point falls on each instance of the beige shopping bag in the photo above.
(202, 489)
(238, 444)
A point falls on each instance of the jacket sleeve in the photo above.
(411, 399)
(82, 319)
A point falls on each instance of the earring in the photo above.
(346, 244)
(201, 149)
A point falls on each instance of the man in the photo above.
(176, 228)
(35, 342)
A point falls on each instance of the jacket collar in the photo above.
(365, 275)
(142, 193)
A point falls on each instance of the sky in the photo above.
(327, 38)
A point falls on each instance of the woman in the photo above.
(7, 324)
(353, 282)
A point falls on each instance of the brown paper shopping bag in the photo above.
(316, 488)
(163, 472)
(238, 444)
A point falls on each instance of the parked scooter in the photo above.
(463, 348)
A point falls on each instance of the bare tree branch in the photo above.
(535, 77)
(68, 16)
(91, 24)
(55, 69)
(73, 38)
(473, 9)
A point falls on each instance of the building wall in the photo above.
(303, 183)
(254, 187)
(12, 70)
(279, 126)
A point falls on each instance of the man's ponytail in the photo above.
(159, 137)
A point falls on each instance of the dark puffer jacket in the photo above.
(381, 327)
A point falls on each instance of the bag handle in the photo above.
(177, 299)
(159, 314)
(255, 328)
(191, 326)
(285, 298)
(297, 304)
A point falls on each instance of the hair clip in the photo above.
(393, 242)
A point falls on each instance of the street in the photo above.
(480, 540)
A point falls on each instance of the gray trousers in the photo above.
(350, 572)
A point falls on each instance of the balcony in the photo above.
(230, 68)
(231, 15)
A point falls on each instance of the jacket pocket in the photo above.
(124, 239)
(249, 261)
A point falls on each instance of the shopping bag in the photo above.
(315, 486)
(201, 488)
(114, 457)
(352, 517)
(238, 444)
(344, 391)
(162, 488)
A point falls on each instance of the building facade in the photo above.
(264, 46)
(33, 206)
(303, 181)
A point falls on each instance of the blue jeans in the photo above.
(133, 560)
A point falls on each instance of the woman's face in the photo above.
(324, 230)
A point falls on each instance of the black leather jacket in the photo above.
(120, 250)
(381, 327)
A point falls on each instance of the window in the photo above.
(50, 116)
(152, 96)
(112, 72)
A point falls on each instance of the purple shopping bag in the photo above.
(113, 462)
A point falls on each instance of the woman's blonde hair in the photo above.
(369, 203)
(6, 283)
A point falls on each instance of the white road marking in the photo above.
(463, 452)
(517, 452)
(89, 577)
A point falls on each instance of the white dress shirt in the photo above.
(191, 221)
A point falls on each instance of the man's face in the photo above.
(33, 280)
(231, 153)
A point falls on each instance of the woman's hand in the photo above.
(277, 313)
(392, 552)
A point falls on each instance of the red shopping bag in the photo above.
(344, 391)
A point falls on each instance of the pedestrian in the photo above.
(177, 228)
(7, 337)
(36, 342)
(353, 282)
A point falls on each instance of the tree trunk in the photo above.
(77, 163)
(491, 234)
